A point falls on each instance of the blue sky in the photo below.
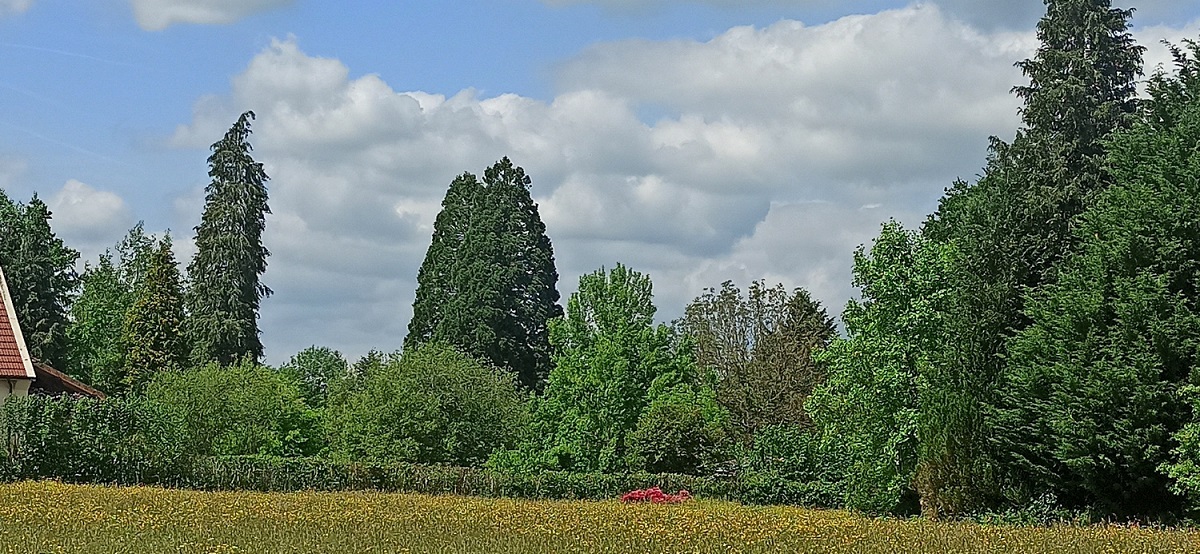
(695, 140)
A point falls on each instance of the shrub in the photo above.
(680, 431)
(432, 404)
(245, 408)
(787, 464)
(125, 440)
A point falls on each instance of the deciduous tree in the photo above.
(759, 347)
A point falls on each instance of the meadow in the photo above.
(50, 517)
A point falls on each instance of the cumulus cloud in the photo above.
(772, 153)
(156, 15)
(88, 219)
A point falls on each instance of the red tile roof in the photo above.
(14, 358)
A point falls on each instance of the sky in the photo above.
(697, 141)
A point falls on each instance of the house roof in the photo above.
(15, 362)
(53, 381)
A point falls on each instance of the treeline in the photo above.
(1028, 351)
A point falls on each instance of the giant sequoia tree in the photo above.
(224, 276)
(488, 282)
(40, 272)
(1009, 230)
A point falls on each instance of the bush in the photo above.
(429, 405)
(680, 431)
(787, 464)
(123, 441)
(245, 408)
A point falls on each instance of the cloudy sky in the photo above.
(697, 141)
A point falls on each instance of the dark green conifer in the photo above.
(225, 290)
(488, 282)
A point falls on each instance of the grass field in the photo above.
(49, 517)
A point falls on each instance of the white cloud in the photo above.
(89, 220)
(156, 15)
(11, 167)
(767, 145)
(13, 7)
(1157, 54)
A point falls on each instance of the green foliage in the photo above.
(244, 408)
(431, 404)
(611, 361)
(153, 326)
(126, 441)
(1009, 231)
(1184, 468)
(682, 430)
(40, 271)
(126, 322)
(789, 464)
(269, 473)
(97, 317)
(488, 284)
(314, 369)
(1092, 396)
(225, 291)
(869, 406)
(760, 350)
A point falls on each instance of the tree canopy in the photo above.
(488, 283)
(225, 289)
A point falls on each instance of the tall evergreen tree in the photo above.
(40, 270)
(1010, 230)
(488, 284)
(1093, 385)
(153, 326)
(225, 290)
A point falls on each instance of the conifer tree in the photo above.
(488, 284)
(153, 326)
(225, 288)
(1095, 388)
(1009, 231)
(40, 272)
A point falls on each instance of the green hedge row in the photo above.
(133, 441)
(272, 474)
(265, 473)
(275, 474)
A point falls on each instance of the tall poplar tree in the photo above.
(488, 284)
(1009, 231)
(225, 290)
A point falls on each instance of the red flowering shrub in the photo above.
(655, 495)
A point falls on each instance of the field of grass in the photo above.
(46, 517)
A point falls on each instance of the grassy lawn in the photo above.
(50, 517)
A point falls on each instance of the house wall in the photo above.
(13, 387)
